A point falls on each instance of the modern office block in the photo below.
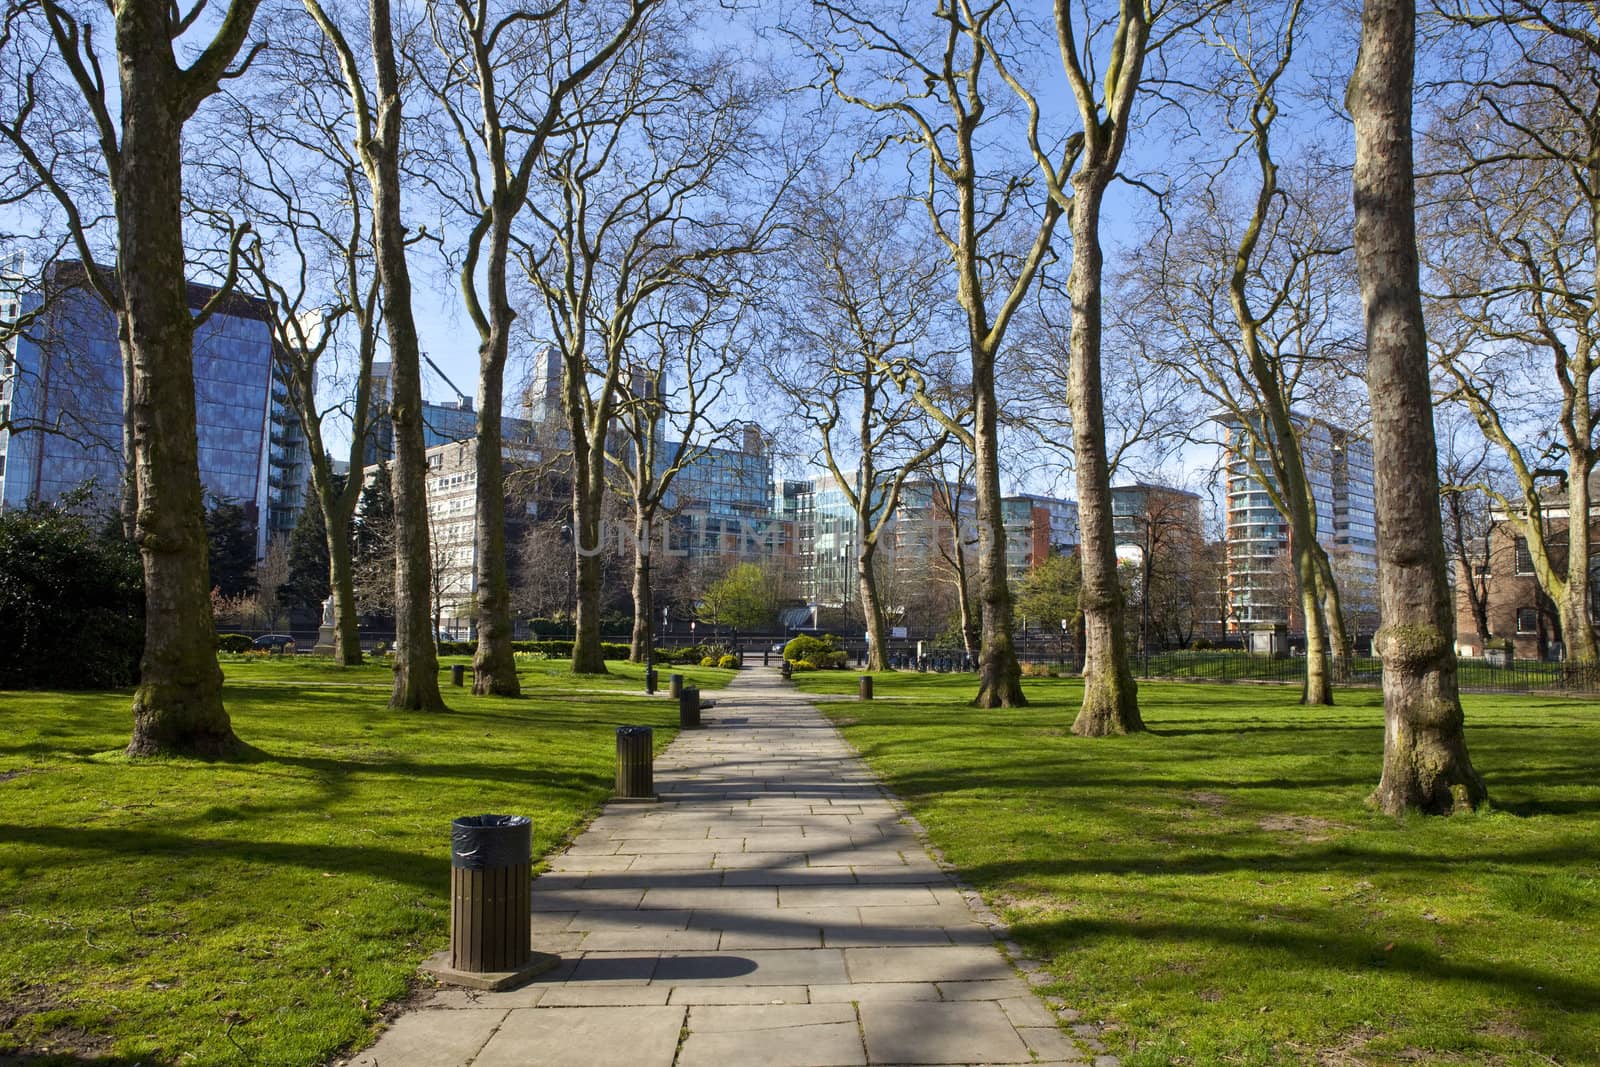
(61, 381)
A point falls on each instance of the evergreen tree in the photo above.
(375, 544)
(307, 585)
(74, 598)
(231, 539)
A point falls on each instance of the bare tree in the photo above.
(1254, 286)
(1512, 247)
(681, 361)
(932, 87)
(638, 196)
(503, 76)
(138, 127)
(303, 191)
(950, 474)
(1465, 474)
(1425, 763)
(376, 116)
(863, 299)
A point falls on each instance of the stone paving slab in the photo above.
(773, 909)
(585, 1037)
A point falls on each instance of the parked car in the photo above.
(274, 643)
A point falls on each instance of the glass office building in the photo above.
(61, 382)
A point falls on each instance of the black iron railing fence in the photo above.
(1473, 675)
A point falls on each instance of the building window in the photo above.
(1527, 620)
(1524, 558)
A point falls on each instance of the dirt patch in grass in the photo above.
(1348, 1052)
(36, 1044)
(1214, 801)
(1306, 827)
(6, 776)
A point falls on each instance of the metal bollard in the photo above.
(689, 709)
(766, 657)
(458, 674)
(787, 670)
(674, 686)
(649, 679)
(864, 690)
(636, 763)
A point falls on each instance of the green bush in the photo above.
(728, 663)
(687, 656)
(708, 661)
(801, 665)
(811, 649)
(233, 643)
(73, 600)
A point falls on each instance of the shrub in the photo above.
(708, 661)
(233, 643)
(802, 665)
(73, 601)
(728, 663)
(563, 649)
(811, 649)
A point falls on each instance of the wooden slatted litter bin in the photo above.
(636, 764)
(490, 904)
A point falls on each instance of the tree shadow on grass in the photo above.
(66, 1059)
(420, 870)
(1331, 950)
(1331, 857)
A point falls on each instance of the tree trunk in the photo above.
(1577, 625)
(1318, 689)
(177, 708)
(872, 604)
(128, 509)
(341, 575)
(494, 666)
(642, 647)
(346, 617)
(587, 657)
(964, 600)
(1425, 764)
(1110, 695)
(416, 659)
(999, 673)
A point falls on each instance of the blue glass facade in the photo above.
(64, 385)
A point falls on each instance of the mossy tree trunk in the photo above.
(177, 707)
(1425, 764)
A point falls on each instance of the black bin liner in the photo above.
(481, 842)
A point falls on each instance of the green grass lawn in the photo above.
(174, 911)
(1217, 892)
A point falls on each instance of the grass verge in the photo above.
(174, 911)
(1216, 890)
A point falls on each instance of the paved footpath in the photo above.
(772, 909)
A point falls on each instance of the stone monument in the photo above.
(324, 646)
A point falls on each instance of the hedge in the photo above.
(689, 655)
(233, 643)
